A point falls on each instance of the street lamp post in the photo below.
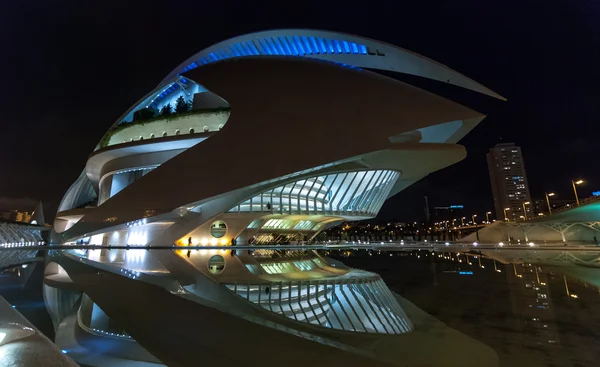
(476, 229)
(505, 217)
(548, 201)
(525, 210)
(462, 221)
(578, 182)
(487, 216)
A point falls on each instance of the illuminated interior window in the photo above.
(264, 238)
(359, 193)
(305, 265)
(304, 225)
(278, 224)
(278, 268)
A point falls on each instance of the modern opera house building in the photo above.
(264, 139)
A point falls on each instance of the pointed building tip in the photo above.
(37, 217)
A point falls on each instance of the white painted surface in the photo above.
(200, 122)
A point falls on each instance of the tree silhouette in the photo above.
(167, 109)
(181, 105)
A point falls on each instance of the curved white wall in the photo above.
(188, 123)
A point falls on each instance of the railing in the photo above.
(100, 332)
(585, 201)
(360, 304)
(21, 244)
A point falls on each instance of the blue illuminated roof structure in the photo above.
(281, 46)
(331, 46)
(343, 49)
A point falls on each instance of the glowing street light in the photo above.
(525, 210)
(487, 216)
(505, 217)
(548, 201)
(578, 182)
(572, 295)
(476, 229)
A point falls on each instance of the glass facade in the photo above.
(360, 303)
(304, 225)
(278, 224)
(305, 265)
(359, 193)
(291, 266)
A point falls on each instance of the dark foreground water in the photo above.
(532, 314)
(22, 287)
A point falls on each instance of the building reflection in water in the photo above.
(534, 313)
(531, 311)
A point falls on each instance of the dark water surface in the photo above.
(530, 314)
(533, 319)
(22, 287)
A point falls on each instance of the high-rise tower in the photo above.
(509, 182)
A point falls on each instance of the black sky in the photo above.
(70, 68)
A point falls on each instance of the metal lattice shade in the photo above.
(359, 193)
(361, 304)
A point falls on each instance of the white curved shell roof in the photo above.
(341, 48)
(346, 49)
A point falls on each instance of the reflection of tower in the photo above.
(434, 271)
(427, 215)
(533, 312)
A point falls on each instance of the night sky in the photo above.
(71, 68)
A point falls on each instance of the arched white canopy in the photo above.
(345, 49)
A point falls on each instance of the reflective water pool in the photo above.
(507, 307)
